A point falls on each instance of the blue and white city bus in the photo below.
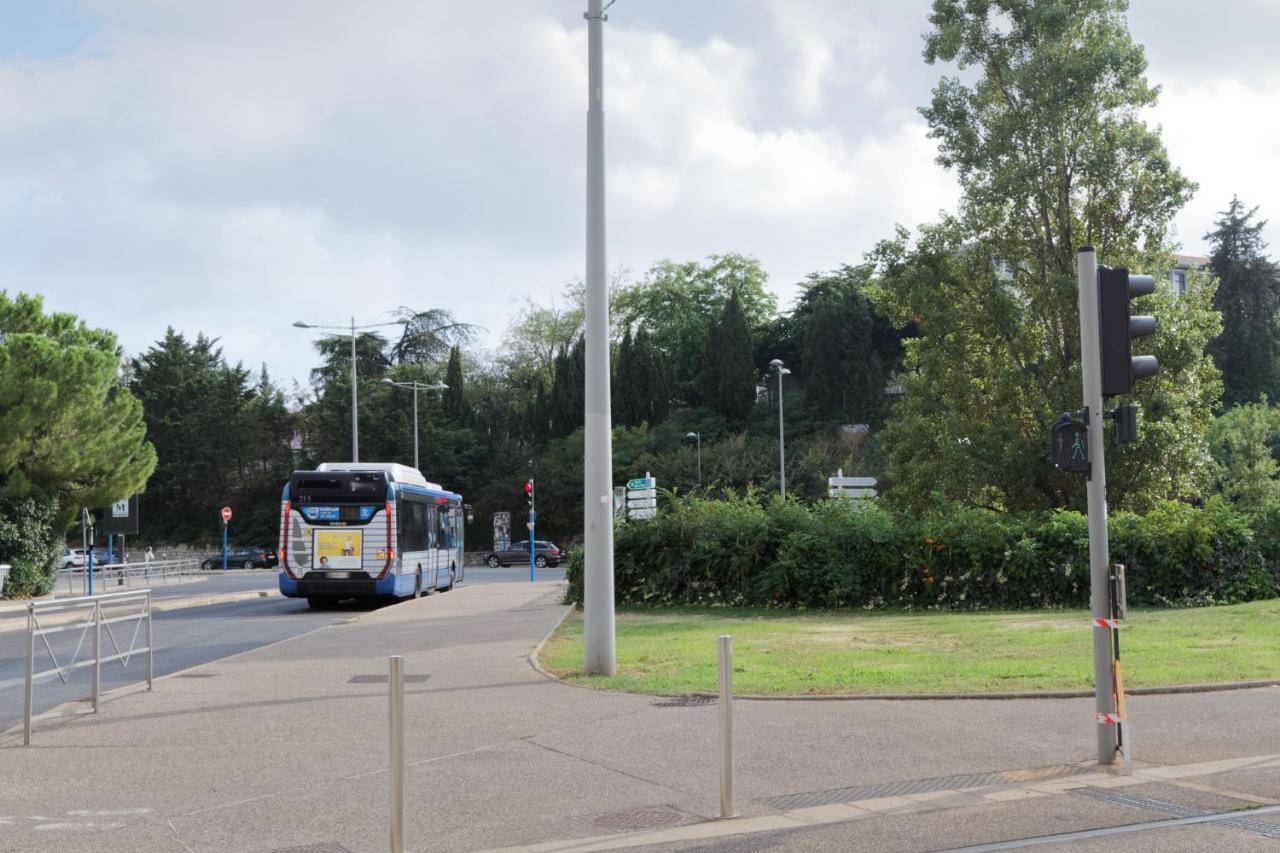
(365, 530)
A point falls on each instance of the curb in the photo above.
(1165, 690)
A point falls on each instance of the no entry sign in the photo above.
(226, 514)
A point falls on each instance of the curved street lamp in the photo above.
(777, 365)
(698, 437)
(355, 422)
(416, 386)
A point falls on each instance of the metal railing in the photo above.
(89, 617)
(75, 580)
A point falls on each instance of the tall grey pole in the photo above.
(1099, 552)
(782, 447)
(598, 629)
(395, 769)
(355, 423)
(415, 426)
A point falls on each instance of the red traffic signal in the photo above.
(528, 492)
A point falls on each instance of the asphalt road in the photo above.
(187, 637)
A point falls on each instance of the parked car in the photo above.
(243, 557)
(544, 554)
(74, 558)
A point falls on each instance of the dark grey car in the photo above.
(544, 554)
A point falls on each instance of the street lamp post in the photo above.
(416, 386)
(697, 436)
(355, 422)
(776, 364)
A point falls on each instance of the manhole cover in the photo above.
(382, 679)
(647, 817)
(687, 700)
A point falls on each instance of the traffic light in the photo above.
(528, 493)
(1117, 329)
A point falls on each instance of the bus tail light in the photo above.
(284, 540)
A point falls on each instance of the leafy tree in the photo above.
(1248, 350)
(678, 303)
(728, 378)
(567, 400)
(1050, 153)
(69, 431)
(1242, 442)
(454, 397)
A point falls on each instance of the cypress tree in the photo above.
(1248, 296)
(728, 379)
(454, 399)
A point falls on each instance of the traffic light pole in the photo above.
(1099, 551)
(533, 520)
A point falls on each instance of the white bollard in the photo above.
(395, 690)
(726, 726)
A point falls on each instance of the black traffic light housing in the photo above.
(528, 493)
(1117, 328)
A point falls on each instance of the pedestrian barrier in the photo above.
(75, 580)
(89, 615)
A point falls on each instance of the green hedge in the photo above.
(29, 543)
(740, 551)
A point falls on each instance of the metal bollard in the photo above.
(31, 668)
(97, 654)
(726, 726)
(151, 650)
(395, 690)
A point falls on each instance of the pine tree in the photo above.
(728, 379)
(842, 370)
(1248, 350)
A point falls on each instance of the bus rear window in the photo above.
(319, 488)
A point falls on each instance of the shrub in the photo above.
(29, 543)
(744, 551)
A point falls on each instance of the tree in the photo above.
(72, 436)
(221, 440)
(678, 303)
(69, 429)
(1248, 350)
(1051, 155)
(454, 397)
(848, 348)
(1242, 443)
(728, 378)
(428, 335)
(567, 400)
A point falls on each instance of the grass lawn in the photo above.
(673, 650)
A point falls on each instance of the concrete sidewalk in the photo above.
(286, 746)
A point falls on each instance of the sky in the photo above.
(230, 167)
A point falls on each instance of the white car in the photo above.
(72, 558)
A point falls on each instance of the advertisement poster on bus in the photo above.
(337, 549)
(501, 531)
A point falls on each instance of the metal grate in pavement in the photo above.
(322, 847)
(1245, 824)
(685, 700)
(787, 802)
(635, 820)
(382, 679)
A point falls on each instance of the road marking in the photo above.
(107, 812)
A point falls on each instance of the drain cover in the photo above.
(685, 700)
(1133, 801)
(382, 679)
(322, 847)
(646, 817)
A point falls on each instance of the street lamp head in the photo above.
(690, 435)
(784, 372)
(776, 364)
(388, 381)
(298, 324)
